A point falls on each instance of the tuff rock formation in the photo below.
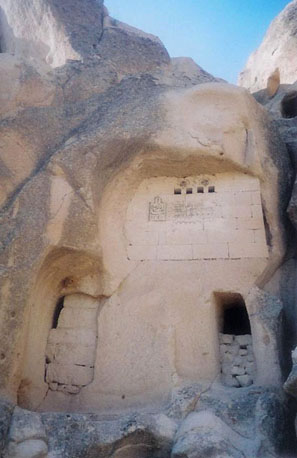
(276, 54)
(148, 255)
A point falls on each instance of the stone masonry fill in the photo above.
(237, 360)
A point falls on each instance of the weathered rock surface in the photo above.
(204, 434)
(51, 30)
(114, 121)
(32, 435)
(6, 410)
(254, 413)
(250, 423)
(277, 51)
(290, 385)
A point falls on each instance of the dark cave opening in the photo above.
(58, 309)
(289, 105)
(236, 320)
(233, 315)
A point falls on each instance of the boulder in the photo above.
(204, 434)
(127, 436)
(27, 437)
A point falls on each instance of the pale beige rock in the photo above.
(23, 85)
(49, 31)
(143, 198)
(70, 362)
(277, 51)
(273, 83)
(204, 431)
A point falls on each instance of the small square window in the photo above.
(211, 189)
(177, 191)
(189, 191)
(200, 189)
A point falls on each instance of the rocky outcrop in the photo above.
(204, 434)
(248, 423)
(27, 436)
(277, 53)
(106, 169)
(290, 385)
(51, 31)
(34, 435)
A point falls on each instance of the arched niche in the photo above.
(129, 232)
(238, 368)
(65, 273)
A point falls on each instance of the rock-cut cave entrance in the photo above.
(235, 318)
(289, 105)
(236, 346)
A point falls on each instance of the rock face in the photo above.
(51, 30)
(204, 434)
(276, 54)
(275, 63)
(143, 232)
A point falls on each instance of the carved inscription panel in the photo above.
(204, 217)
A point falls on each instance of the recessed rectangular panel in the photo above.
(203, 217)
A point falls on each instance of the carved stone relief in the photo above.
(218, 217)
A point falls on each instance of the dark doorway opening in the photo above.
(234, 318)
(58, 309)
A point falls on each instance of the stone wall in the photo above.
(71, 347)
(202, 217)
(237, 360)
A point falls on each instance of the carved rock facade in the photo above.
(144, 236)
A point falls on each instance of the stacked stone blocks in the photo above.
(237, 360)
(71, 347)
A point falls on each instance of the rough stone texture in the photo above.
(27, 436)
(252, 421)
(278, 50)
(71, 346)
(239, 423)
(106, 169)
(72, 176)
(273, 83)
(267, 326)
(138, 435)
(6, 410)
(204, 434)
(256, 414)
(290, 385)
(51, 30)
(31, 448)
(237, 360)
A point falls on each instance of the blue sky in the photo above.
(218, 34)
